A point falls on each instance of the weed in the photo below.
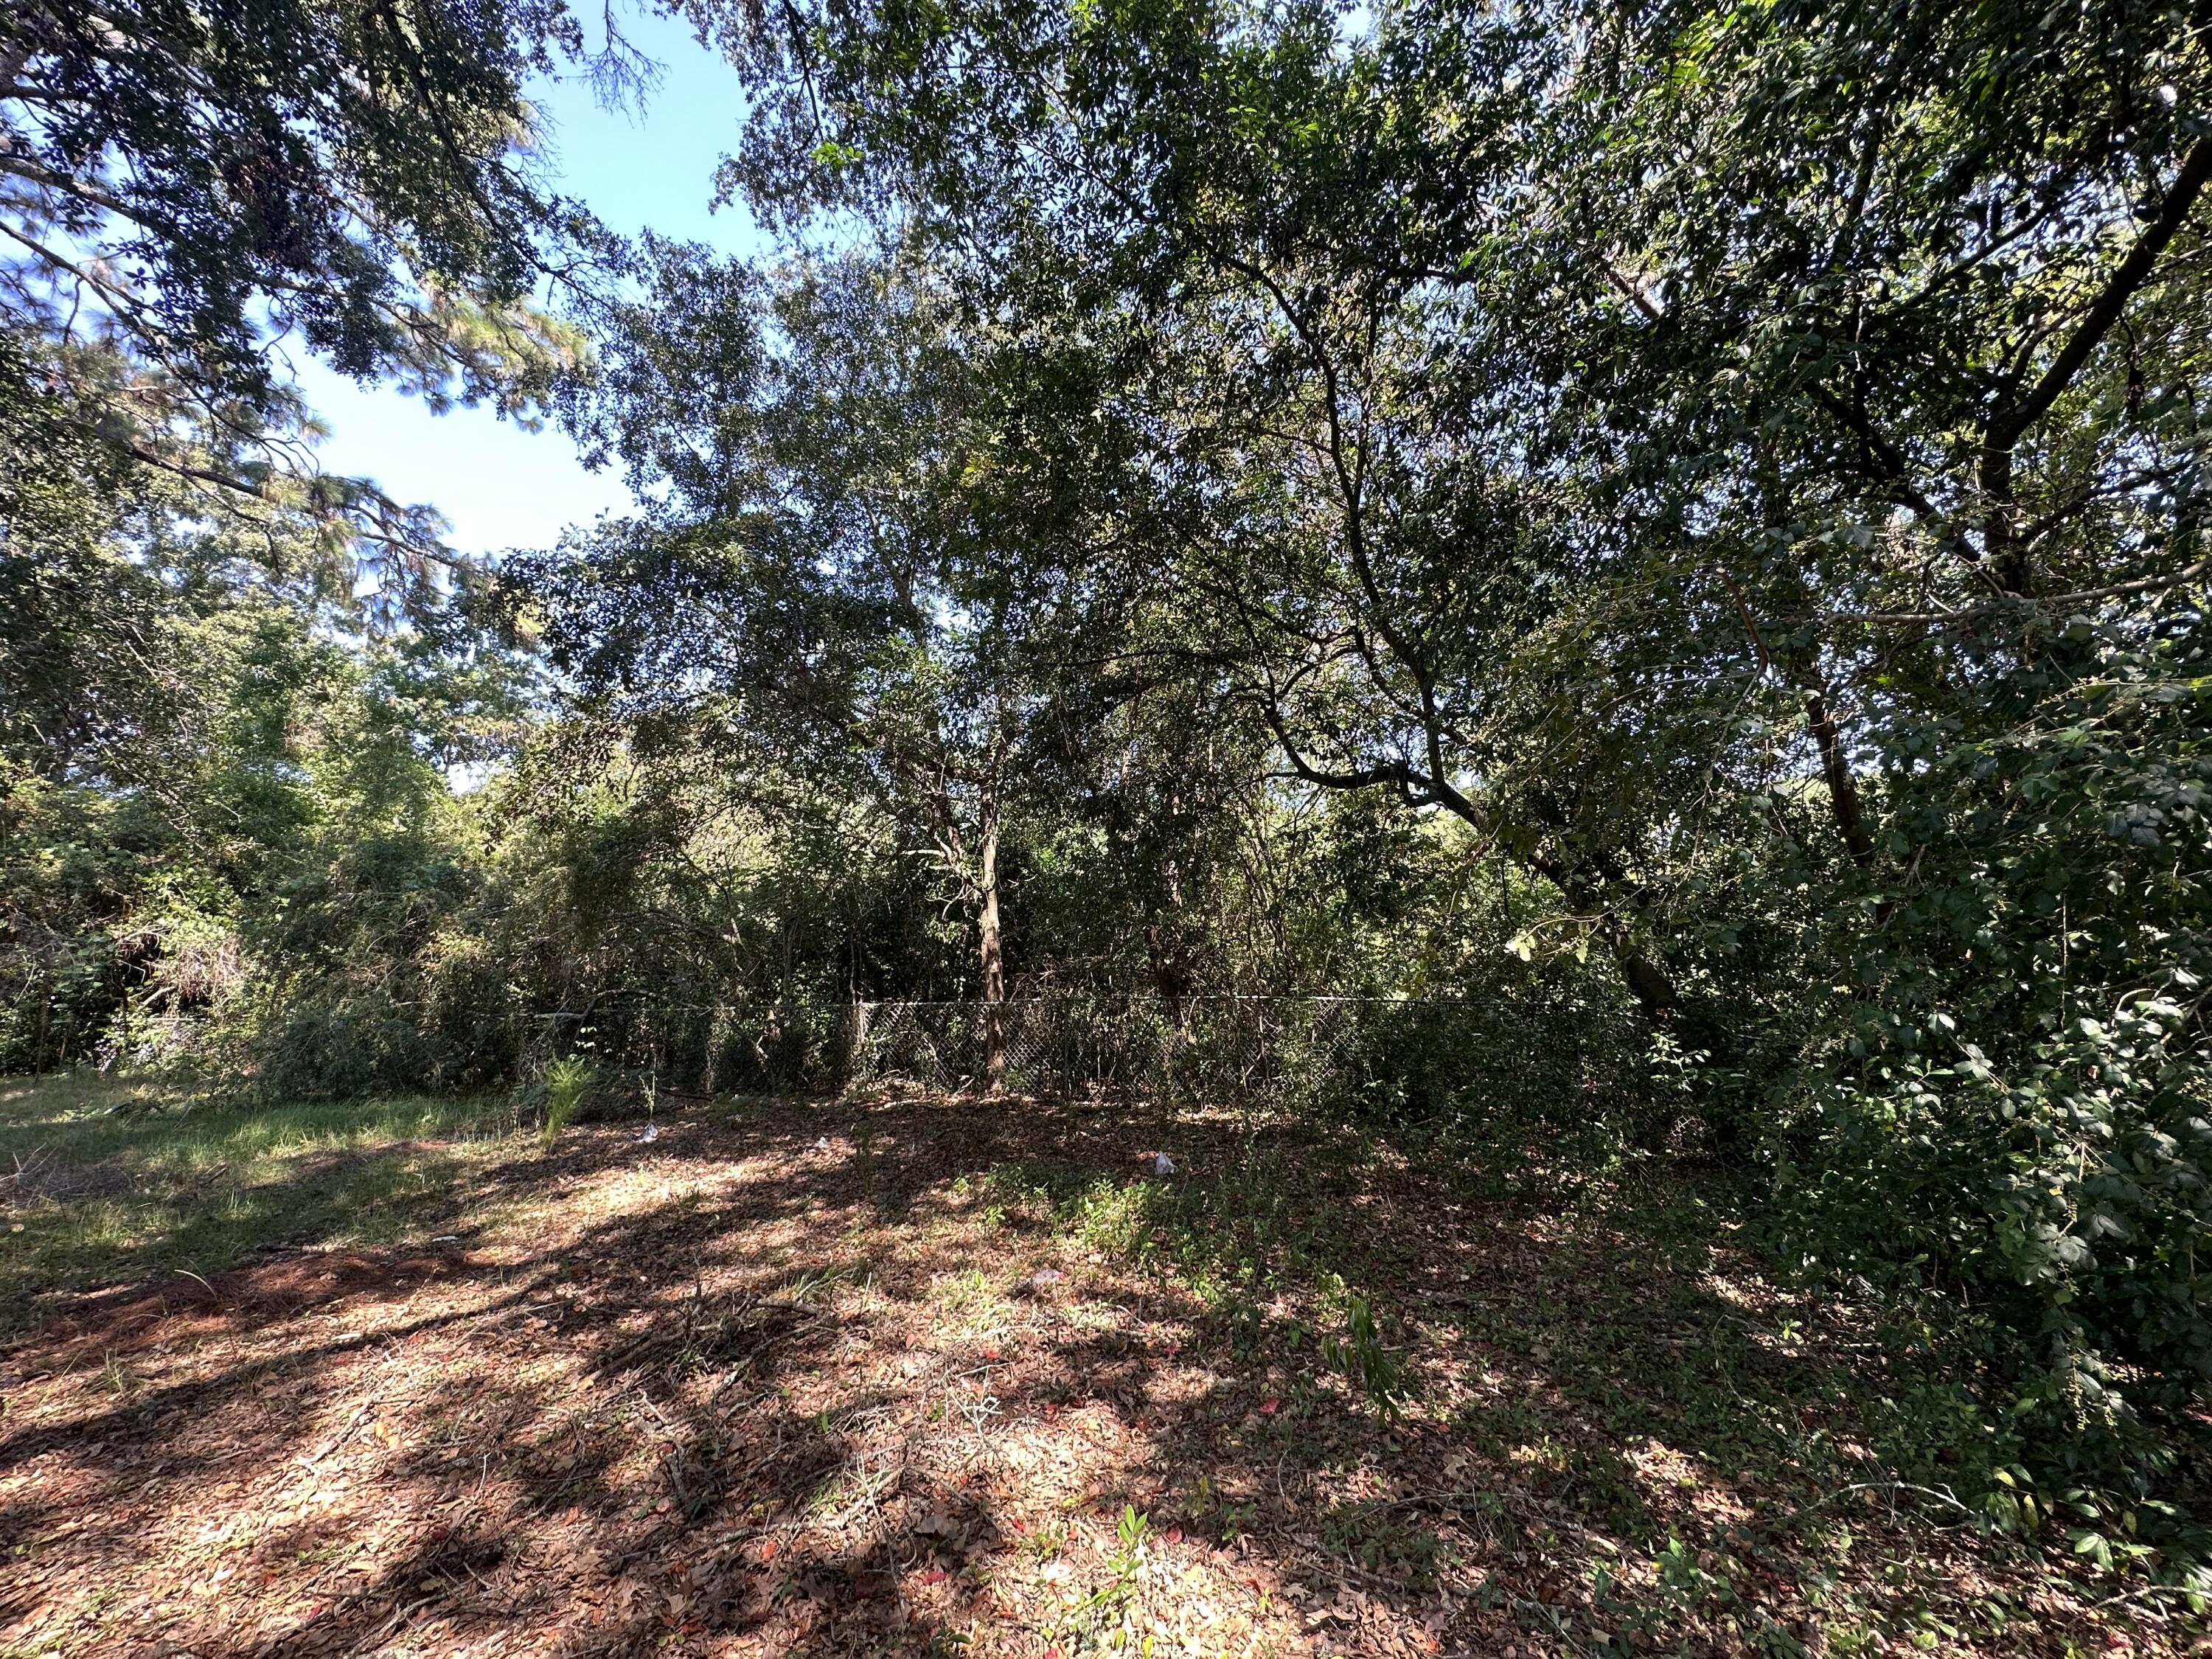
(1238, 1521)
(813, 1283)
(1371, 1534)
(1211, 1508)
(1114, 1218)
(1684, 1582)
(567, 1083)
(1360, 1355)
(1046, 1540)
(1098, 1619)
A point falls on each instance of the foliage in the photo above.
(2023, 1030)
(180, 188)
(567, 1083)
(1739, 462)
(1678, 529)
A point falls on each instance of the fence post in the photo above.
(856, 1055)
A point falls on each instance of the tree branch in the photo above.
(2134, 271)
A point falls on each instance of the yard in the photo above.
(902, 1374)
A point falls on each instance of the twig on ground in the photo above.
(1941, 1495)
(1530, 1509)
(2148, 1594)
(340, 1437)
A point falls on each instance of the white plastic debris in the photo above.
(647, 1135)
(1049, 1276)
(1162, 1164)
(822, 1144)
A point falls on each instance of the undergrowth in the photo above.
(1659, 1319)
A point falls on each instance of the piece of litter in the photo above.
(1049, 1276)
(822, 1144)
(1162, 1164)
(447, 1238)
(647, 1135)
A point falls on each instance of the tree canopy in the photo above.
(1678, 526)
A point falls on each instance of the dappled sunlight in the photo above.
(880, 1377)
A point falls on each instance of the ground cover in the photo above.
(906, 1375)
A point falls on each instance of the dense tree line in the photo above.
(1675, 511)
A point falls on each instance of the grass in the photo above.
(109, 1179)
(902, 1377)
(1610, 1344)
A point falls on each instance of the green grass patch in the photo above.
(106, 1180)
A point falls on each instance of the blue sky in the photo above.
(499, 485)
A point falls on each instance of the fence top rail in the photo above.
(1055, 999)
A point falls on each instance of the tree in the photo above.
(1742, 461)
(180, 188)
(817, 575)
(1220, 234)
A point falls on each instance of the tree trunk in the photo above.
(1648, 981)
(1843, 789)
(995, 967)
(1172, 974)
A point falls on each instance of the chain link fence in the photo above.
(1282, 1049)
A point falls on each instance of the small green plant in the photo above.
(566, 1082)
(1046, 1540)
(1129, 1536)
(1684, 1582)
(1373, 1535)
(1114, 1217)
(1238, 1521)
(1099, 1616)
(1360, 1355)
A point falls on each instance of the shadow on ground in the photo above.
(909, 1375)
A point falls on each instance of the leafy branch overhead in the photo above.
(1600, 607)
(186, 197)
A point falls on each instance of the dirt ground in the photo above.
(905, 1376)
